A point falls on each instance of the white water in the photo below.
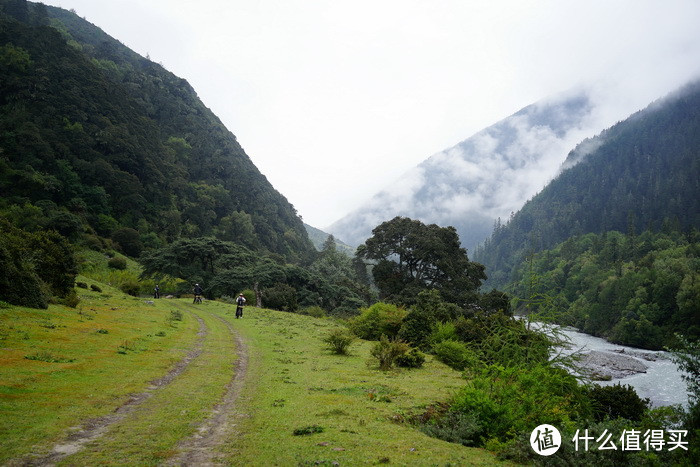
(662, 382)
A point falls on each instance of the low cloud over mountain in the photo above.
(487, 176)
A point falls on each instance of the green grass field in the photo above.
(62, 367)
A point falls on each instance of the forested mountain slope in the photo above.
(484, 177)
(643, 173)
(100, 143)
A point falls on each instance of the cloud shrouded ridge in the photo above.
(487, 176)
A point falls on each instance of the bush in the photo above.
(339, 340)
(387, 352)
(413, 359)
(377, 320)
(506, 401)
(130, 287)
(315, 311)
(443, 332)
(81, 285)
(34, 266)
(92, 242)
(95, 288)
(117, 262)
(454, 427)
(280, 297)
(428, 310)
(455, 354)
(70, 300)
(617, 401)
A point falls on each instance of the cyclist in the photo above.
(240, 301)
(197, 294)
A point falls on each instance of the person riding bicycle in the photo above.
(240, 301)
(197, 293)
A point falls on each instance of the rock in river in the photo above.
(608, 365)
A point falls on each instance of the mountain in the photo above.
(486, 176)
(641, 174)
(111, 149)
(318, 237)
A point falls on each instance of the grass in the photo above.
(346, 409)
(76, 372)
(302, 404)
(150, 435)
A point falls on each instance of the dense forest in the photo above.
(109, 148)
(637, 290)
(641, 174)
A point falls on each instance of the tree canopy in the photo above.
(409, 256)
(95, 139)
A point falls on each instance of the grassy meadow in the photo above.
(300, 403)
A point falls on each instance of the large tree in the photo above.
(409, 256)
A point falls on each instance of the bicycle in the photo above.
(197, 299)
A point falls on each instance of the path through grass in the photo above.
(352, 413)
(300, 404)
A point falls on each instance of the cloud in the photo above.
(484, 177)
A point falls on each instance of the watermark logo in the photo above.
(545, 440)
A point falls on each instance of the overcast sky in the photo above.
(334, 99)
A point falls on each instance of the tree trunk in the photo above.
(258, 297)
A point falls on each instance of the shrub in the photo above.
(95, 288)
(81, 285)
(377, 320)
(339, 340)
(387, 351)
(280, 297)
(34, 266)
(117, 262)
(70, 300)
(616, 401)
(520, 451)
(455, 354)
(130, 287)
(416, 327)
(92, 242)
(413, 359)
(506, 401)
(443, 332)
(455, 427)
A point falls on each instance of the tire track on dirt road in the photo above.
(95, 428)
(200, 448)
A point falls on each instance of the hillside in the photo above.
(104, 145)
(318, 237)
(641, 174)
(484, 177)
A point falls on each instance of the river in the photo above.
(661, 381)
